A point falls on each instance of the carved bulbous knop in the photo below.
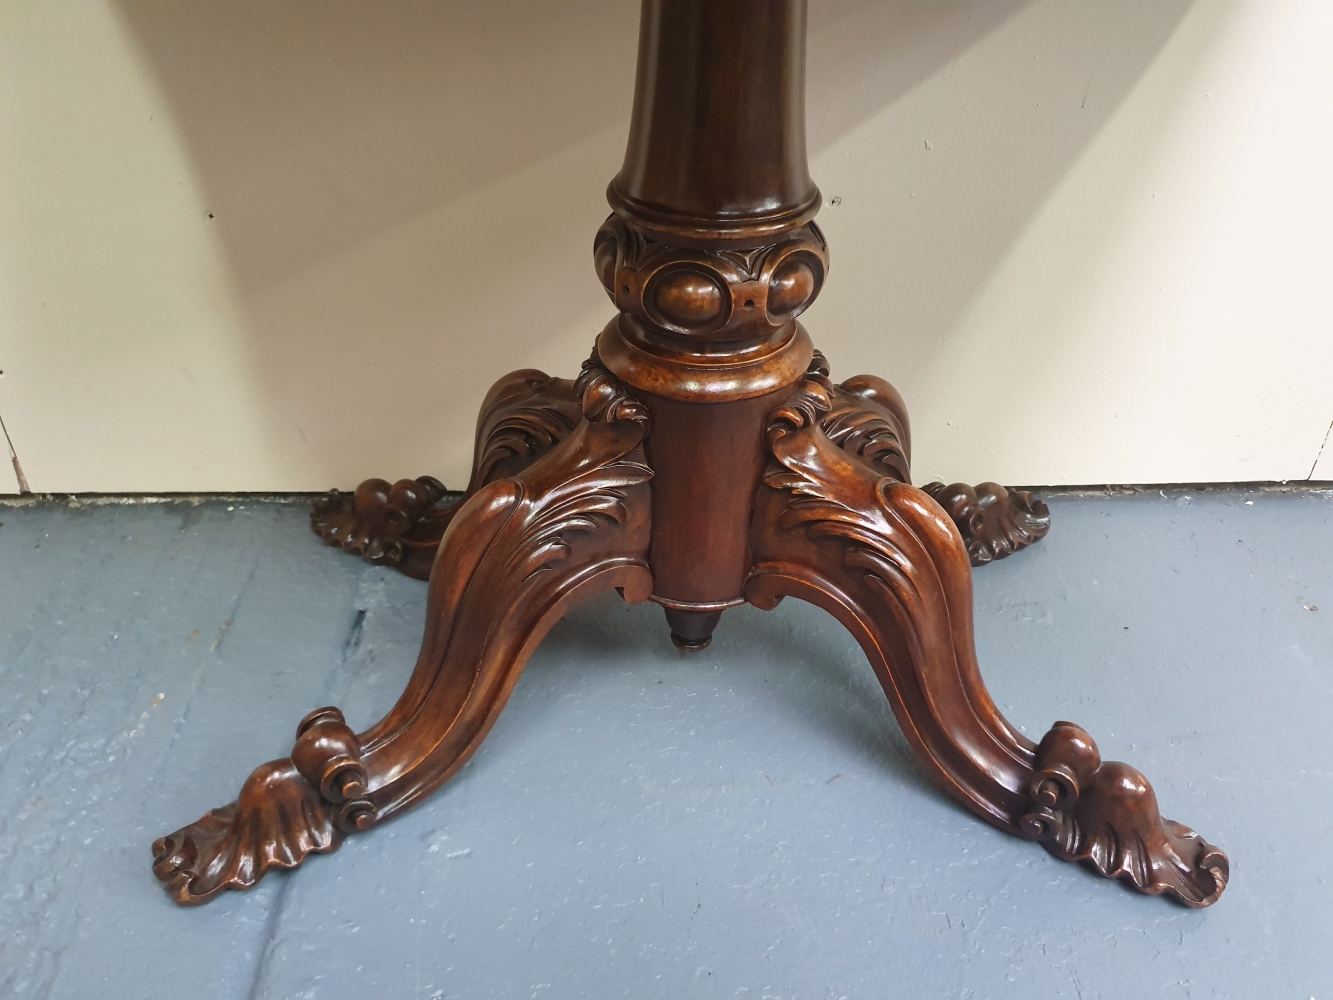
(714, 295)
(685, 299)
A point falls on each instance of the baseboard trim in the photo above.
(1303, 486)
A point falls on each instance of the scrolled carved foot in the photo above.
(275, 823)
(287, 810)
(993, 521)
(1105, 814)
(388, 525)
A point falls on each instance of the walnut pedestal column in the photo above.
(704, 458)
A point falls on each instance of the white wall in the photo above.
(283, 246)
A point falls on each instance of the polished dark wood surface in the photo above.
(704, 458)
(717, 137)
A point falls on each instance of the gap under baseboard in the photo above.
(1133, 489)
(1305, 486)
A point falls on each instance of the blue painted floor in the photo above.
(746, 822)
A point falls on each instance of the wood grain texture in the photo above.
(516, 557)
(885, 560)
(759, 479)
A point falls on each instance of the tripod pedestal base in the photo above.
(703, 459)
(561, 506)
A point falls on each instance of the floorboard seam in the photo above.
(270, 936)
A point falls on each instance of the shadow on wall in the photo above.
(938, 188)
(405, 194)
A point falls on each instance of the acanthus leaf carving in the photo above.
(287, 809)
(866, 417)
(572, 522)
(525, 415)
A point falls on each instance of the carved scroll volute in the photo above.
(1105, 813)
(605, 399)
(328, 755)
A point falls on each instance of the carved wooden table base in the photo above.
(702, 459)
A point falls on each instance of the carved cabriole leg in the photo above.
(518, 555)
(524, 416)
(886, 561)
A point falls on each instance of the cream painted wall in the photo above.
(282, 246)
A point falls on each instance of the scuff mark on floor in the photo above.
(353, 640)
(221, 632)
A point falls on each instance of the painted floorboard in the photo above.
(746, 822)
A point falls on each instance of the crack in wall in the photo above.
(14, 459)
(1320, 453)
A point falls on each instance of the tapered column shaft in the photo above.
(717, 137)
(710, 257)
